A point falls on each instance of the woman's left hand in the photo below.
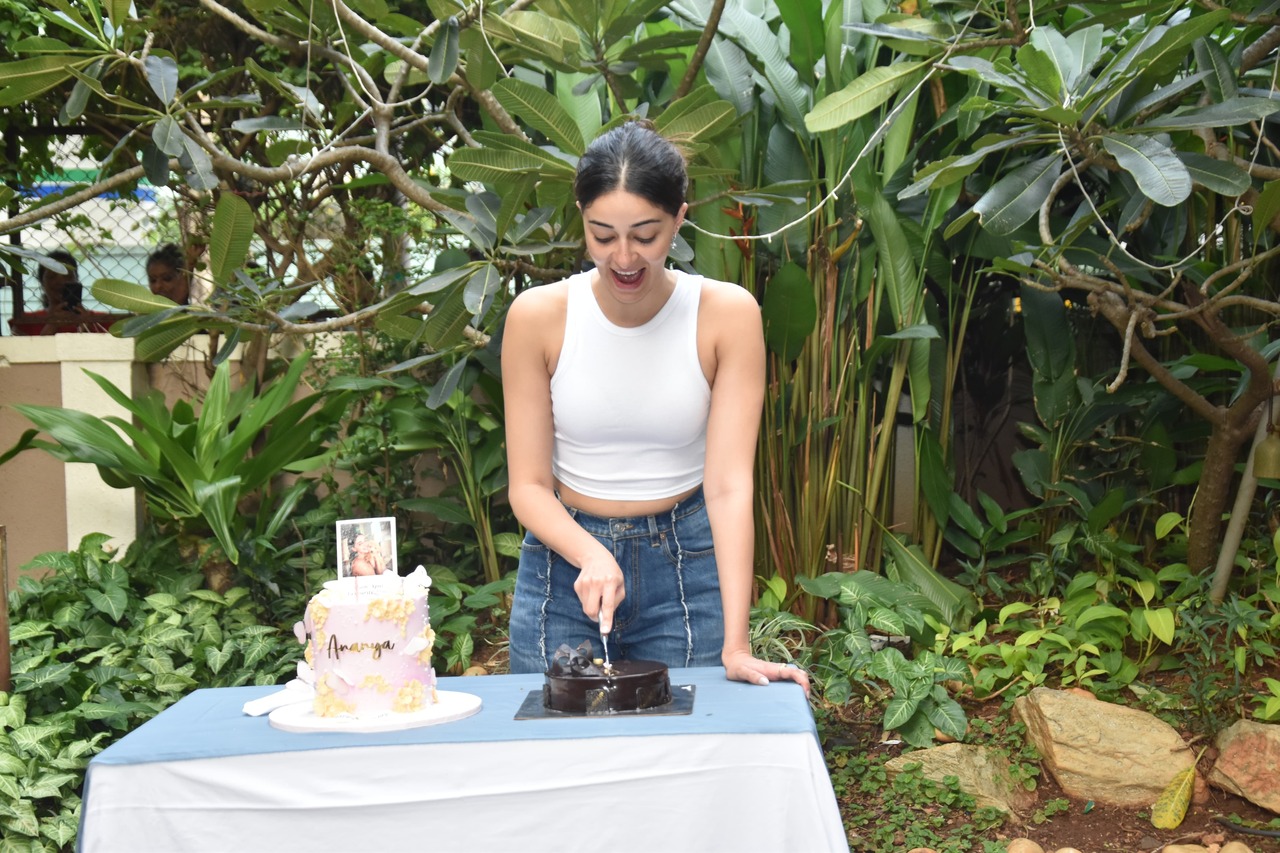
(741, 666)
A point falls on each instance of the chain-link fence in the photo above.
(109, 236)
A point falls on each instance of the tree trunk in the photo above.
(1231, 426)
(1213, 495)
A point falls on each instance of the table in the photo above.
(744, 772)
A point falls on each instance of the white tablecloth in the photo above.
(744, 772)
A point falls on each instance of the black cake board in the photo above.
(681, 704)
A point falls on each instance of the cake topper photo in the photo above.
(366, 546)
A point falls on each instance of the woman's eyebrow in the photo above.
(633, 225)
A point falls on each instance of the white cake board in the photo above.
(299, 717)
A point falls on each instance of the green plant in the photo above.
(913, 811)
(212, 473)
(463, 423)
(1270, 701)
(102, 643)
(463, 615)
(1221, 645)
(847, 655)
(1058, 805)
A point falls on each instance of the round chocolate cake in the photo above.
(629, 685)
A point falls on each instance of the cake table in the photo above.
(743, 772)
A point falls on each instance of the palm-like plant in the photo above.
(213, 472)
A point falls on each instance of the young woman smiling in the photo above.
(633, 396)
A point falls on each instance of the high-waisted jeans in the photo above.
(672, 611)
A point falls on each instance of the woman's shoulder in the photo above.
(545, 299)
(726, 296)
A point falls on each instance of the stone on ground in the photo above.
(1248, 755)
(1100, 751)
(984, 774)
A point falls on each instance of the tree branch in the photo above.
(700, 52)
(1117, 313)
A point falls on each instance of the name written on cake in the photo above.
(335, 649)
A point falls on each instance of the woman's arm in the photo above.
(534, 330)
(737, 397)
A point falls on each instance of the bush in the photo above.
(100, 645)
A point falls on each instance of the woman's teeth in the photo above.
(629, 277)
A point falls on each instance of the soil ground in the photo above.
(1085, 826)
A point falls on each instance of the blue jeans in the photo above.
(672, 611)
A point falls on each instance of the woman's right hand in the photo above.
(600, 588)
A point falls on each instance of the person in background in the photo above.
(633, 395)
(167, 275)
(61, 300)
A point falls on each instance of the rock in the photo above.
(1066, 850)
(984, 774)
(475, 670)
(1186, 848)
(1248, 754)
(921, 850)
(1023, 845)
(1200, 792)
(1103, 752)
(1235, 847)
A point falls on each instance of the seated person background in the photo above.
(167, 275)
(61, 296)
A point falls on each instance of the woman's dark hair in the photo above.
(72, 291)
(169, 254)
(637, 159)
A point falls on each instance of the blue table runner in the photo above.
(209, 723)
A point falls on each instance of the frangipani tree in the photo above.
(1123, 155)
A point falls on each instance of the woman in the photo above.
(61, 301)
(633, 396)
(365, 558)
(167, 275)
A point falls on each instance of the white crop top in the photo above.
(630, 405)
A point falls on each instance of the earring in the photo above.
(673, 244)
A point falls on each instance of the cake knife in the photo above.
(604, 641)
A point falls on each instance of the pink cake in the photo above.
(368, 643)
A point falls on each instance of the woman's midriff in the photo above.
(618, 509)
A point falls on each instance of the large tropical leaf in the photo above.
(496, 167)
(789, 311)
(27, 78)
(1072, 56)
(897, 266)
(729, 72)
(1154, 167)
(1238, 110)
(866, 93)
(127, 296)
(230, 236)
(219, 503)
(1221, 73)
(704, 123)
(1052, 354)
(1213, 174)
(908, 565)
(753, 35)
(443, 60)
(1019, 195)
(951, 169)
(540, 110)
(1001, 78)
(162, 76)
(537, 34)
(807, 37)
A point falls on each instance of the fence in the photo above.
(110, 236)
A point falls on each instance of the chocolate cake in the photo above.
(628, 685)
